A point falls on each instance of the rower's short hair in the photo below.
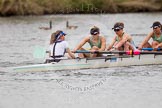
(94, 30)
(122, 24)
(119, 24)
(157, 23)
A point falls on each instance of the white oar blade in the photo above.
(39, 52)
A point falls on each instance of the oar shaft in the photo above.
(137, 52)
(150, 49)
(101, 52)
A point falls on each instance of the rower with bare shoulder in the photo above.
(156, 35)
(96, 42)
(122, 40)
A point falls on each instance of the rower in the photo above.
(58, 46)
(156, 35)
(122, 40)
(96, 42)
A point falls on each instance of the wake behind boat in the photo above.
(111, 60)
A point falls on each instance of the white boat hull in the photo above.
(72, 64)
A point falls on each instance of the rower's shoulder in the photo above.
(127, 34)
(151, 34)
(103, 37)
(86, 38)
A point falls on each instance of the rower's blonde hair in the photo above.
(94, 27)
(52, 40)
(122, 24)
(159, 23)
(53, 36)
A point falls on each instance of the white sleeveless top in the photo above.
(60, 48)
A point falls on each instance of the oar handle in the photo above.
(137, 52)
(130, 52)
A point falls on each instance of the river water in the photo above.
(120, 87)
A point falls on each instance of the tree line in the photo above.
(42, 7)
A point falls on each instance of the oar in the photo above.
(39, 52)
(137, 52)
(151, 49)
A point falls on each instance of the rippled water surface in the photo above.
(120, 87)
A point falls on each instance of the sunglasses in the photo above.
(155, 27)
(116, 30)
(95, 33)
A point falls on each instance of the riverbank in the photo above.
(42, 7)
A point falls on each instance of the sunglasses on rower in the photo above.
(116, 30)
(155, 27)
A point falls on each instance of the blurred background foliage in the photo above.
(41, 7)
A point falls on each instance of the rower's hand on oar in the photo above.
(74, 50)
(114, 49)
(156, 48)
(94, 51)
(139, 47)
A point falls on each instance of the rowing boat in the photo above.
(110, 60)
